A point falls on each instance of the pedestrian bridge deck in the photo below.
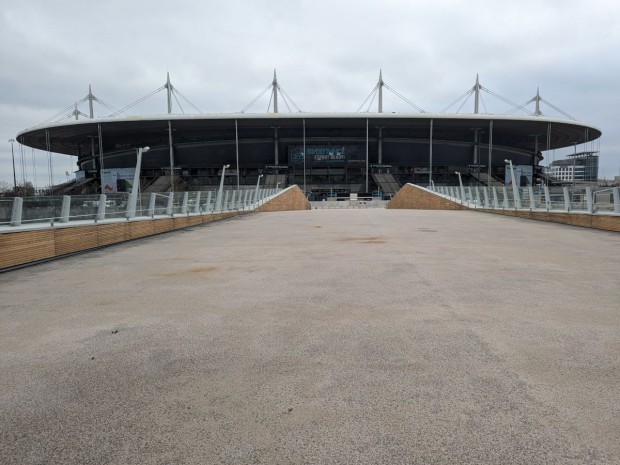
(366, 336)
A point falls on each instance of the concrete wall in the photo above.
(290, 199)
(22, 247)
(416, 198)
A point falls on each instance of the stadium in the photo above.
(327, 154)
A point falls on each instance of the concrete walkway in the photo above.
(319, 337)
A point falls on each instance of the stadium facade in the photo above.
(324, 152)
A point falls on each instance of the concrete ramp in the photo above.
(415, 197)
(289, 199)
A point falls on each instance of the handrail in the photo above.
(18, 211)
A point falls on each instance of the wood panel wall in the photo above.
(21, 247)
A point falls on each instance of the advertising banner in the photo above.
(524, 175)
(318, 154)
(117, 180)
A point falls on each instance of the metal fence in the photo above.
(543, 198)
(18, 211)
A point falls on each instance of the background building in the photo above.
(580, 167)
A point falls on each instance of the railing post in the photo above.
(589, 200)
(184, 204)
(208, 202)
(616, 193)
(197, 202)
(66, 209)
(232, 200)
(468, 197)
(566, 199)
(16, 213)
(131, 205)
(530, 190)
(101, 208)
(495, 199)
(547, 198)
(478, 201)
(486, 198)
(225, 204)
(506, 203)
(170, 203)
(518, 204)
(152, 200)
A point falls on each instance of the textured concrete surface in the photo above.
(319, 337)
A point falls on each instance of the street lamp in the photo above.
(218, 203)
(515, 189)
(461, 184)
(135, 189)
(14, 178)
(256, 191)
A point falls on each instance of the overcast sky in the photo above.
(221, 54)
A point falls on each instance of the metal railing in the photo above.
(593, 200)
(21, 211)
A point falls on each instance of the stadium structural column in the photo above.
(380, 108)
(380, 146)
(171, 156)
(90, 102)
(237, 149)
(490, 151)
(430, 155)
(100, 134)
(169, 92)
(275, 146)
(366, 155)
(304, 150)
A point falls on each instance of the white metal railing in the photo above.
(21, 211)
(591, 200)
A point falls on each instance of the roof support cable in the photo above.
(248, 106)
(178, 103)
(558, 110)
(372, 101)
(483, 105)
(403, 98)
(140, 100)
(285, 94)
(372, 93)
(176, 91)
(465, 95)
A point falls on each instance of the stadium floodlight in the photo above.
(218, 203)
(135, 188)
(515, 188)
(14, 177)
(461, 184)
(257, 185)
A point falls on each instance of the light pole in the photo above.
(221, 191)
(461, 184)
(135, 189)
(257, 185)
(14, 178)
(515, 188)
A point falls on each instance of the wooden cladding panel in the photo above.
(181, 222)
(160, 226)
(112, 233)
(139, 229)
(29, 246)
(70, 240)
(17, 248)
